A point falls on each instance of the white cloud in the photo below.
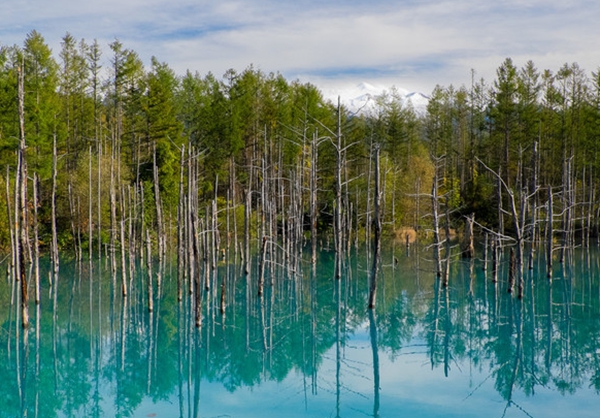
(413, 44)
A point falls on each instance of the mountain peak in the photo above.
(361, 98)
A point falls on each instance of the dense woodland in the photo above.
(220, 176)
(103, 154)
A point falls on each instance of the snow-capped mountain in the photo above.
(361, 99)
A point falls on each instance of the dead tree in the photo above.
(181, 215)
(435, 205)
(36, 244)
(468, 250)
(11, 226)
(377, 233)
(549, 234)
(149, 284)
(21, 205)
(263, 262)
(161, 236)
(54, 245)
(518, 213)
(338, 195)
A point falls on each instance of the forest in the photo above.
(102, 155)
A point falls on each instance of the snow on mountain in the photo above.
(361, 99)
(419, 102)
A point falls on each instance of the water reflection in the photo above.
(309, 346)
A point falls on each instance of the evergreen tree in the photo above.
(9, 128)
(163, 129)
(73, 86)
(41, 102)
(503, 117)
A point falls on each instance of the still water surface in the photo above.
(309, 347)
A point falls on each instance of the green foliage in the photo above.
(477, 198)
(41, 101)
(163, 129)
(247, 125)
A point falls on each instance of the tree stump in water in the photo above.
(468, 248)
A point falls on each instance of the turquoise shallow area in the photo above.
(309, 347)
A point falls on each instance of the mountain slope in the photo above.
(361, 99)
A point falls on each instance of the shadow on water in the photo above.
(308, 346)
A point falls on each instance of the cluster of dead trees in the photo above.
(147, 166)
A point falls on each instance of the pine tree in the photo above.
(41, 102)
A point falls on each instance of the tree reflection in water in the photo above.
(92, 352)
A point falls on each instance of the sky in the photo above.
(411, 44)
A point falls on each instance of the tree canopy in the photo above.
(107, 109)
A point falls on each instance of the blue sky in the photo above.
(411, 44)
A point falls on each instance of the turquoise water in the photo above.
(309, 347)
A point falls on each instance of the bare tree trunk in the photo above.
(511, 271)
(550, 235)
(233, 197)
(377, 233)
(122, 239)
(159, 214)
(54, 245)
(180, 229)
(500, 210)
(21, 205)
(197, 299)
(149, 287)
(533, 187)
(495, 258)
(134, 238)
(222, 300)
(436, 224)
(90, 223)
(247, 212)
(590, 209)
(99, 202)
(313, 198)
(191, 230)
(567, 220)
(113, 211)
(338, 196)
(205, 250)
(36, 240)
(485, 251)
(448, 249)
(215, 236)
(11, 225)
(375, 353)
(368, 219)
(74, 220)
(468, 246)
(263, 262)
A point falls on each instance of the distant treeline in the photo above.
(119, 131)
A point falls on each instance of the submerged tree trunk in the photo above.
(338, 198)
(313, 199)
(54, 245)
(90, 223)
(122, 222)
(180, 229)
(11, 225)
(247, 214)
(263, 262)
(468, 250)
(21, 205)
(159, 214)
(149, 287)
(375, 353)
(377, 233)
(36, 244)
(550, 234)
(436, 225)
